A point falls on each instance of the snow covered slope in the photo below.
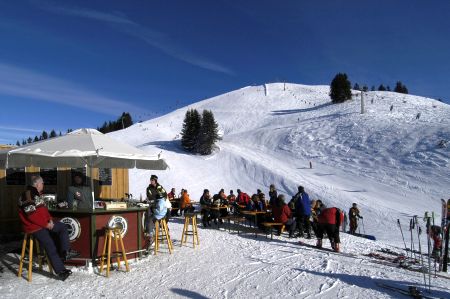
(388, 162)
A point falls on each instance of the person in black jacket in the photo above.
(205, 203)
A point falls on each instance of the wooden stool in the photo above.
(161, 234)
(29, 238)
(113, 233)
(190, 218)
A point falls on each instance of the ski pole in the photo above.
(398, 222)
(411, 228)
(429, 252)
(419, 231)
(362, 221)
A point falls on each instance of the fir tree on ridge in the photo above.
(190, 131)
(209, 133)
(340, 88)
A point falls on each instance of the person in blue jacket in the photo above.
(303, 212)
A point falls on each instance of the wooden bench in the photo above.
(270, 225)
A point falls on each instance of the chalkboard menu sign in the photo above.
(49, 175)
(15, 176)
(105, 176)
(81, 171)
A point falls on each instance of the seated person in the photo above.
(36, 220)
(282, 214)
(263, 201)
(78, 194)
(171, 194)
(185, 203)
(205, 202)
(214, 213)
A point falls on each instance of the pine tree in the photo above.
(400, 88)
(356, 87)
(388, 88)
(209, 133)
(340, 89)
(127, 120)
(365, 88)
(372, 88)
(18, 143)
(24, 142)
(381, 87)
(190, 131)
(36, 139)
(29, 140)
(44, 135)
(52, 134)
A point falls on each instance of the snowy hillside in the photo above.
(388, 162)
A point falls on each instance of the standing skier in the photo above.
(354, 215)
(303, 212)
(329, 221)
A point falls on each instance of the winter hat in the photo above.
(154, 177)
(354, 205)
(238, 190)
(272, 186)
(301, 189)
(205, 191)
(258, 191)
(231, 191)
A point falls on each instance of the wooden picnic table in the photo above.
(255, 213)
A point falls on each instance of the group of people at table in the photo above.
(299, 215)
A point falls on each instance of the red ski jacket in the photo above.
(36, 220)
(281, 214)
(243, 198)
(331, 216)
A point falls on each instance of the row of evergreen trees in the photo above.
(200, 132)
(122, 122)
(44, 135)
(340, 88)
(399, 87)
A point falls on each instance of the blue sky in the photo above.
(72, 64)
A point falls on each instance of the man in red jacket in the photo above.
(329, 220)
(36, 220)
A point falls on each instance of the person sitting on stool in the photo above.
(36, 220)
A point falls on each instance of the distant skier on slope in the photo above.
(354, 215)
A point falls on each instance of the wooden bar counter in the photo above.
(87, 230)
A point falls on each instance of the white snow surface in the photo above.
(388, 162)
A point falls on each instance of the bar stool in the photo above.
(110, 234)
(190, 219)
(28, 238)
(161, 234)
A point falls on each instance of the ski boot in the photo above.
(319, 243)
(336, 247)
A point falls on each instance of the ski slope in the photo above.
(388, 162)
